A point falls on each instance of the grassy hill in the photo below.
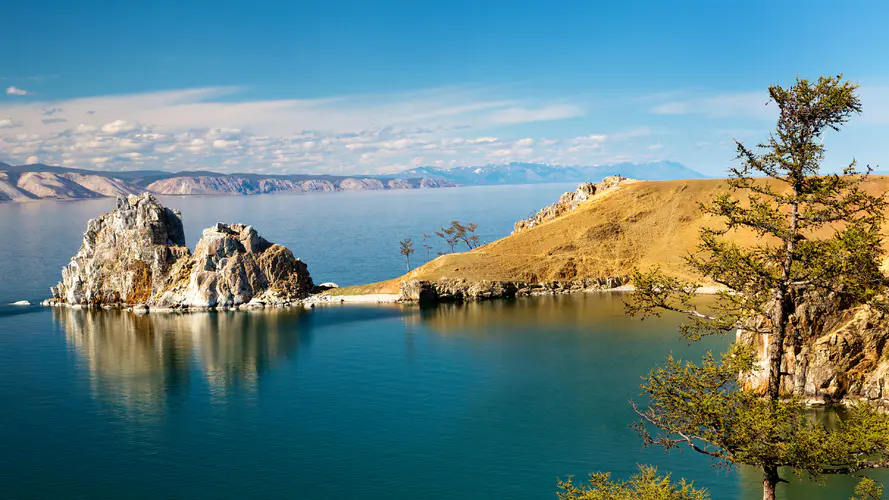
(638, 225)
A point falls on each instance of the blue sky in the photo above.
(355, 87)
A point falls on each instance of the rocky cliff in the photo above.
(568, 202)
(135, 255)
(833, 354)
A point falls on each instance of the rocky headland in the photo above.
(135, 256)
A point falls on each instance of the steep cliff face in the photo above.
(842, 357)
(50, 185)
(10, 192)
(136, 255)
(126, 255)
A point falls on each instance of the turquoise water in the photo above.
(493, 400)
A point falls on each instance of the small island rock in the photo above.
(135, 256)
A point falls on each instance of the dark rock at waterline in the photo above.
(460, 290)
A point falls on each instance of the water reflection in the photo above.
(597, 312)
(146, 362)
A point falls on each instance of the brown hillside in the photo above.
(638, 225)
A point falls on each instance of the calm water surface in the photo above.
(492, 400)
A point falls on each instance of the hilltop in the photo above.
(638, 224)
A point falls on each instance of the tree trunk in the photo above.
(776, 346)
(769, 482)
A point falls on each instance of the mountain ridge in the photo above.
(19, 183)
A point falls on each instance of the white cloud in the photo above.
(10, 123)
(745, 104)
(655, 147)
(593, 139)
(118, 126)
(525, 115)
(13, 90)
(194, 129)
(483, 140)
(32, 160)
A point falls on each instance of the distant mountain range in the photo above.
(34, 182)
(538, 173)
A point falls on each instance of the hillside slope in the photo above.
(640, 224)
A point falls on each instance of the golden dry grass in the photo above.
(639, 225)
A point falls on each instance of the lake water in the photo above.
(491, 400)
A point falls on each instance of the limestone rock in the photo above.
(126, 255)
(843, 356)
(232, 265)
(136, 256)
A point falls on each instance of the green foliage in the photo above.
(700, 406)
(646, 485)
(868, 489)
(818, 239)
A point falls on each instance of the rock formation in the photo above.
(843, 356)
(126, 255)
(461, 290)
(231, 266)
(568, 202)
(136, 256)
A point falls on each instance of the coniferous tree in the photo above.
(818, 240)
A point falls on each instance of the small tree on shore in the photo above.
(448, 234)
(458, 232)
(426, 245)
(818, 239)
(466, 233)
(407, 248)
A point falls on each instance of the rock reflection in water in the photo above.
(142, 362)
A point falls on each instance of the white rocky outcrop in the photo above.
(568, 202)
(136, 256)
(232, 266)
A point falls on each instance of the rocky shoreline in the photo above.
(460, 290)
